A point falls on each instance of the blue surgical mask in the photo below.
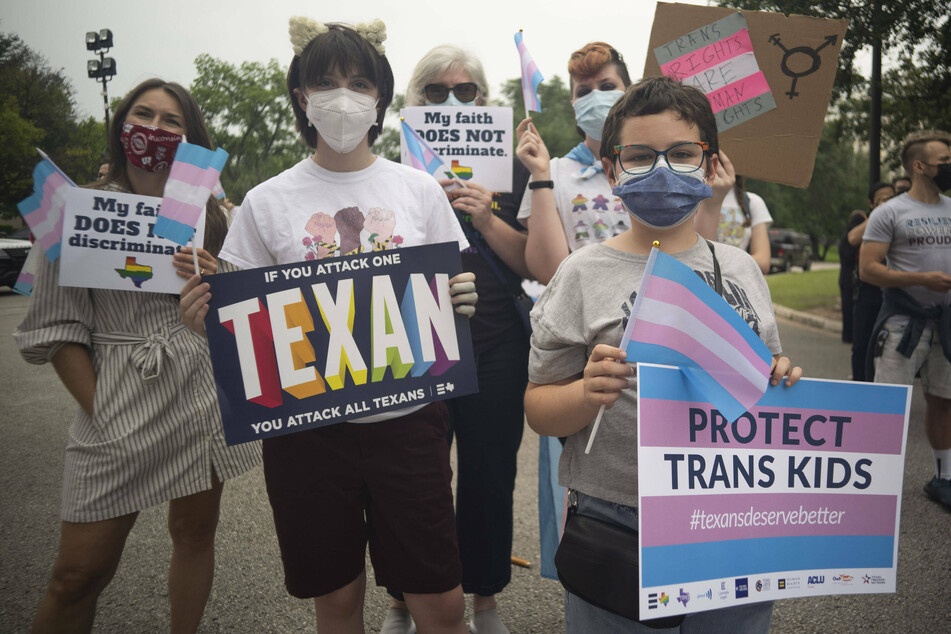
(592, 109)
(452, 101)
(662, 199)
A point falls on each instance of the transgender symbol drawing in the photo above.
(812, 53)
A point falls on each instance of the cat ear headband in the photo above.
(302, 30)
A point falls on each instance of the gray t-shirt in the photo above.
(587, 303)
(919, 237)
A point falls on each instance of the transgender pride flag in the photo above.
(43, 211)
(421, 155)
(191, 179)
(531, 76)
(678, 320)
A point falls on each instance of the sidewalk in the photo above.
(809, 319)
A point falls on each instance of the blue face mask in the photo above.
(662, 199)
(452, 101)
(592, 109)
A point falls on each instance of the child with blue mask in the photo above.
(659, 144)
(570, 203)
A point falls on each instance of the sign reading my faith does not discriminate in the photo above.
(473, 142)
(304, 345)
(768, 78)
(800, 496)
(108, 242)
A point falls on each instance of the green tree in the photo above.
(38, 109)
(838, 186)
(916, 93)
(556, 122)
(388, 144)
(247, 111)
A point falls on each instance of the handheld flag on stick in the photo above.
(27, 276)
(43, 210)
(677, 319)
(531, 76)
(423, 157)
(191, 180)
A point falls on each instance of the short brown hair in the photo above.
(913, 147)
(654, 95)
(344, 49)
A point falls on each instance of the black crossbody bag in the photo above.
(598, 561)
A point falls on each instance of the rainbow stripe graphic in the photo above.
(136, 272)
(463, 172)
(43, 210)
(531, 76)
(678, 320)
(193, 176)
(718, 59)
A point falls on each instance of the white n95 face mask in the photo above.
(341, 116)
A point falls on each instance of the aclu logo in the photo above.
(742, 587)
(815, 580)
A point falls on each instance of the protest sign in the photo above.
(300, 346)
(798, 497)
(768, 78)
(474, 142)
(108, 242)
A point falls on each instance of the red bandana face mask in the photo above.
(149, 148)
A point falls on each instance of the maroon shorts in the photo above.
(335, 488)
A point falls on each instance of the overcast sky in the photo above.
(164, 38)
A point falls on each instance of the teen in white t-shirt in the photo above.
(335, 489)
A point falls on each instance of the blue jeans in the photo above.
(583, 618)
(487, 427)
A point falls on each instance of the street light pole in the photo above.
(104, 68)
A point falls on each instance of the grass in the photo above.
(803, 291)
(832, 255)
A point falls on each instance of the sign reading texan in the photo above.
(304, 345)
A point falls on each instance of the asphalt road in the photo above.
(249, 596)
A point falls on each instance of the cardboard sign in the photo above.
(474, 142)
(108, 243)
(300, 346)
(768, 78)
(800, 496)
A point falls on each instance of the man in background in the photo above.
(913, 334)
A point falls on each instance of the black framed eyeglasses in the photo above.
(683, 158)
(438, 93)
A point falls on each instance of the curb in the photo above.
(807, 318)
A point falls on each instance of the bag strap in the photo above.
(717, 278)
(478, 243)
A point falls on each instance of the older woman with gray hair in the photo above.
(488, 425)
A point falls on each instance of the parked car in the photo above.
(789, 248)
(13, 252)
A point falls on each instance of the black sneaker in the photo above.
(939, 490)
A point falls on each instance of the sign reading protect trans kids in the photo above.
(304, 345)
(799, 497)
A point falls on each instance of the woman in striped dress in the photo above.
(148, 429)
